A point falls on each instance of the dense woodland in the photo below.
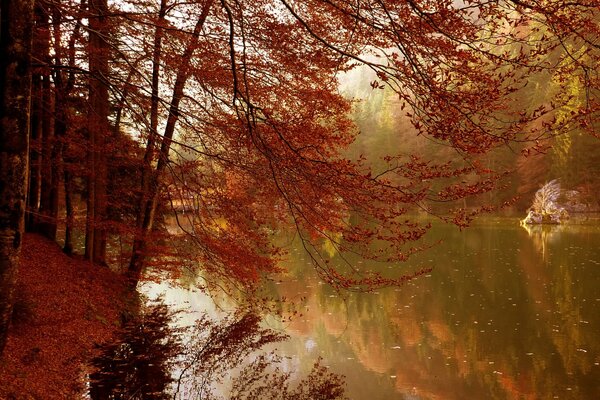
(249, 117)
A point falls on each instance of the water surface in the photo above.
(505, 314)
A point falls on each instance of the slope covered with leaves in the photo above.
(64, 306)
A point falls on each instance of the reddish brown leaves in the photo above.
(63, 308)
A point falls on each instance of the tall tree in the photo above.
(98, 131)
(16, 18)
(64, 84)
(252, 103)
(44, 179)
(261, 113)
(151, 176)
(40, 44)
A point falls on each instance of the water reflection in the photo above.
(152, 359)
(542, 235)
(504, 315)
(137, 364)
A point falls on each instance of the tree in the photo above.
(15, 86)
(64, 85)
(44, 179)
(39, 47)
(98, 131)
(150, 190)
(251, 102)
(238, 107)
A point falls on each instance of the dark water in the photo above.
(505, 314)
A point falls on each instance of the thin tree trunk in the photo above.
(98, 128)
(47, 221)
(15, 90)
(90, 218)
(46, 224)
(48, 210)
(35, 157)
(151, 190)
(70, 217)
(136, 262)
(59, 129)
(40, 47)
(61, 98)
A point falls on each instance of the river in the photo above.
(506, 313)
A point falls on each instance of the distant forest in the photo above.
(571, 156)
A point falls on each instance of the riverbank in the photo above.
(64, 306)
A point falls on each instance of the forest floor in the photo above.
(64, 306)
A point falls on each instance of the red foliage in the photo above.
(64, 306)
(236, 110)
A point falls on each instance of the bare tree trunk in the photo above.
(63, 99)
(48, 210)
(90, 218)
(35, 157)
(40, 47)
(136, 262)
(49, 190)
(70, 217)
(61, 95)
(98, 128)
(15, 91)
(151, 178)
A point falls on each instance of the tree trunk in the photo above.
(98, 128)
(15, 91)
(48, 210)
(137, 256)
(62, 94)
(35, 156)
(70, 217)
(40, 47)
(151, 178)
(49, 192)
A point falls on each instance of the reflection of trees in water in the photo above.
(149, 360)
(495, 320)
(137, 364)
(542, 235)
